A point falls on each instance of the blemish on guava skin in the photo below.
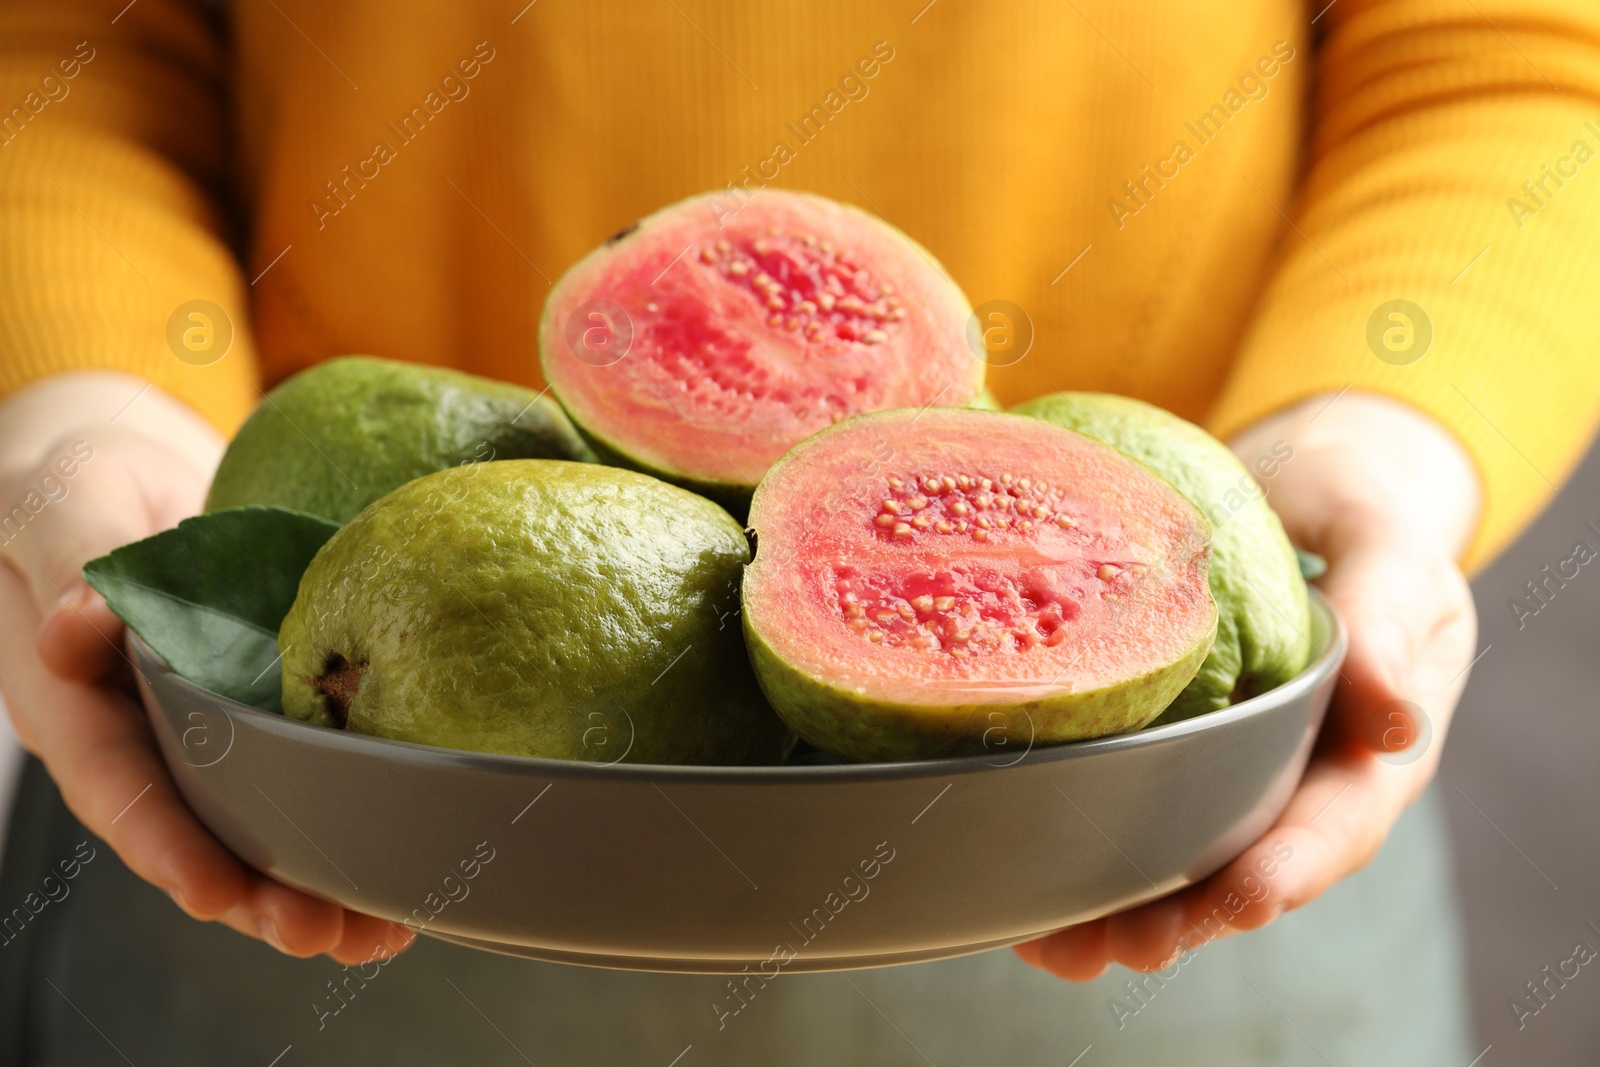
(338, 683)
(620, 234)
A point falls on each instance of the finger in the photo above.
(294, 922)
(81, 638)
(160, 841)
(1077, 953)
(97, 747)
(100, 751)
(1031, 952)
(1149, 934)
(290, 921)
(368, 938)
(1332, 828)
(1412, 630)
(132, 488)
(106, 509)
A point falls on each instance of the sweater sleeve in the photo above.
(1445, 245)
(112, 155)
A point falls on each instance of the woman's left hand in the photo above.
(1389, 499)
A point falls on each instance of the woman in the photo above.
(1386, 282)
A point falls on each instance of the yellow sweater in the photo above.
(1209, 205)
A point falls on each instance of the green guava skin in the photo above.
(1264, 613)
(837, 720)
(536, 608)
(334, 438)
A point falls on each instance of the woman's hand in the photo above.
(73, 485)
(1390, 500)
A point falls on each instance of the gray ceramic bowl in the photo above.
(794, 868)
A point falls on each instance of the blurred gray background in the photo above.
(1521, 782)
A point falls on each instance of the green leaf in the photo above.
(208, 597)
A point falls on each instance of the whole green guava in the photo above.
(334, 438)
(1264, 614)
(534, 608)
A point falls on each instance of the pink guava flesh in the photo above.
(964, 559)
(746, 333)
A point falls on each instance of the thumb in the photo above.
(1412, 629)
(124, 489)
(80, 638)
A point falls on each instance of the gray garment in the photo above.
(1369, 974)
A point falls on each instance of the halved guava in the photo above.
(941, 582)
(699, 345)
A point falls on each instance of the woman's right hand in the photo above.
(75, 484)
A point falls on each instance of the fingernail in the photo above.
(182, 903)
(71, 600)
(400, 940)
(1029, 953)
(269, 933)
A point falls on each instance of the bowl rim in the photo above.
(413, 753)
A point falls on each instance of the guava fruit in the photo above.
(700, 346)
(534, 608)
(334, 438)
(986, 580)
(1264, 616)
